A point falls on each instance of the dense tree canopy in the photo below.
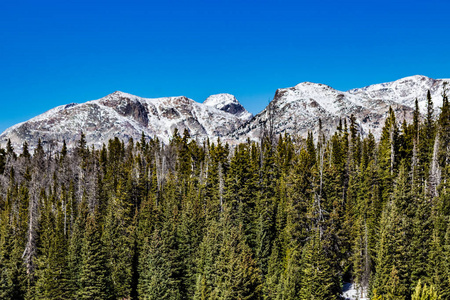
(282, 218)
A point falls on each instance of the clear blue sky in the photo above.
(57, 52)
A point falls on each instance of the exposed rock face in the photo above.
(294, 110)
(297, 110)
(126, 116)
(229, 104)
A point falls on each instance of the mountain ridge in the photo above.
(294, 110)
(298, 109)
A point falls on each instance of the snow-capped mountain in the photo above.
(228, 103)
(126, 116)
(297, 110)
(294, 110)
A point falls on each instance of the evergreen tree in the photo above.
(206, 261)
(241, 191)
(6, 276)
(387, 153)
(94, 282)
(51, 272)
(237, 273)
(74, 258)
(25, 152)
(190, 234)
(226, 266)
(426, 140)
(422, 231)
(425, 292)
(317, 277)
(118, 239)
(157, 279)
(393, 264)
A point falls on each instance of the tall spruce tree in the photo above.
(393, 264)
(156, 280)
(118, 239)
(317, 276)
(94, 280)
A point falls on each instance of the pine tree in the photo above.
(74, 258)
(51, 272)
(10, 150)
(388, 149)
(422, 231)
(94, 280)
(274, 283)
(118, 239)
(190, 234)
(227, 269)
(317, 277)
(206, 261)
(393, 264)
(266, 207)
(156, 279)
(438, 265)
(290, 280)
(426, 140)
(25, 152)
(6, 276)
(13, 222)
(425, 292)
(237, 273)
(241, 191)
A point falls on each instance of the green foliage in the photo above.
(285, 218)
(317, 278)
(157, 278)
(425, 292)
(94, 281)
(118, 240)
(227, 269)
(393, 264)
(52, 272)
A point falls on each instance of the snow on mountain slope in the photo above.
(404, 91)
(124, 116)
(228, 103)
(297, 110)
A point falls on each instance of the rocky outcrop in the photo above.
(295, 110)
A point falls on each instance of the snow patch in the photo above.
(351, 291)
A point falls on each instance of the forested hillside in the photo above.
(285, 218)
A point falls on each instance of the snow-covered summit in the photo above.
(297, 110)
(404, 91)
(228, 103)
(127, 116)
(220, 100)
(294, 110)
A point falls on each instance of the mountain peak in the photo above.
(119, 94)
(415, 79)
(312, 85)
(295, 110)
(228, 103)
(220, 100)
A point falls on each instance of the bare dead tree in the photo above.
(391, 138)
(414, 161)
(33, 215)
(435, 171)
(268, 125)
(221, 185)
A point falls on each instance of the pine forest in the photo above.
(282, 218)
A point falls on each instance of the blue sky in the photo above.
(57, 52)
